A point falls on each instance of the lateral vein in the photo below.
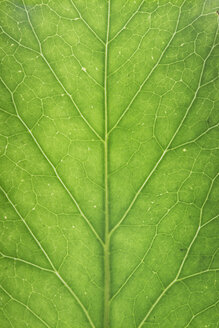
(57, 79)
(170, 142)
(49, 260)
(52, 166)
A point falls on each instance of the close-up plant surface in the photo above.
(108, 164)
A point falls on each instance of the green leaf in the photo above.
(108, 164)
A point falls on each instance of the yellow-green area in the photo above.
(108, 164)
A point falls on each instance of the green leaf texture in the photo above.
(108, 164)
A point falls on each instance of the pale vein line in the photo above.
(134, 270)
(176, 279)
(39, 53)
(150, 73)
(18, 42)
(141, 86)
(8, 113)
(195, 139)
(52, 166)
(132, 55)
(138, 10)
(197, 231)
(209, 82)
(127, 22)
(56, 77)
(17, 259)
(49, 260)
(86, 23)
(7, 317)
(170, 142)
(197, 274)
(80, 64)
(107, 238)
(26, 306)
(201, 14)
(209, 221)
(204, 310)
(144, 256)
(208, 194)
(116, 70)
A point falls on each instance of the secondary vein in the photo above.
(58, 275)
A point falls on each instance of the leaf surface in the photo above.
(108, 164)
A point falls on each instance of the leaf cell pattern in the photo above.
(108, 164)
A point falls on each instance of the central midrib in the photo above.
(107, 236)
